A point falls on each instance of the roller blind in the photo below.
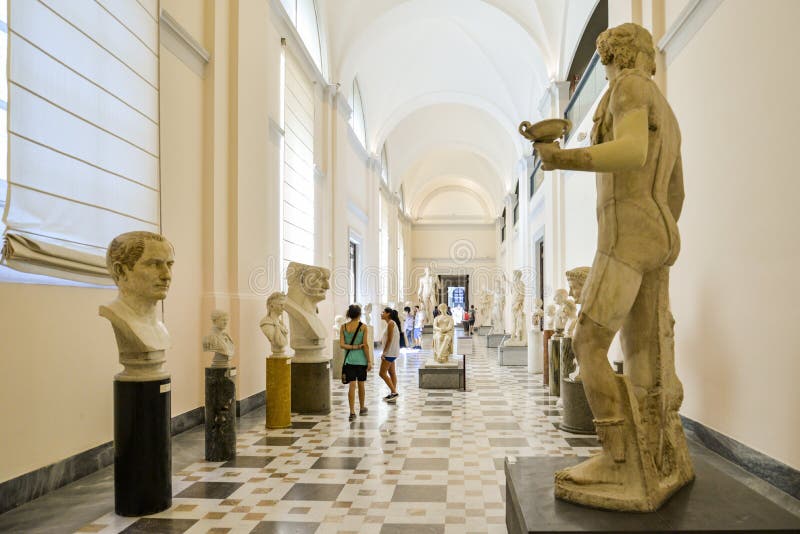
(83, 132)
(298, 172)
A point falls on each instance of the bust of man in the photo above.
(272, 324)
(218, 341)
(538, 313)
(308, 286)
(140, 263)
(576, 278)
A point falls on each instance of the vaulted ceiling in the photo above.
(445, 84)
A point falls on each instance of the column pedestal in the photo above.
(535, 351)
(279, 392)
(142, 448)
(311, 388)
(546, 335)
(554, 369)
(577, 415)
(220, 414)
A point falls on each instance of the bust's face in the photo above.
(221, 322)
(151, 275)
(315, 283)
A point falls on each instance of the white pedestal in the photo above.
(535, 349)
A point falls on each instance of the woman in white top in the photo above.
(391, 350)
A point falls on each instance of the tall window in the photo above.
(298, 167)
(303, 14)
(358, 121)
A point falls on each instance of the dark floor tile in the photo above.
(304, 424)
(277, 441)
(249, 461)
(497, 413)
(160, 526)
(440, 394)
(209, 490)
(437, 413)
(402, 528)
(313, 492)
(582, 442)
(508, 442)
(438, 403)
(430, 442)
(433, 426)
(502, 426)
(426, 464)
(419, 493)
(546, 402)
(333, 462)
(353, 442)
(284, 527)
(493, 403)
(552, 412)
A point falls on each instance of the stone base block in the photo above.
(714, 502)
(576, 413)
(279, 392)
(220, 414)
(438, 376)
(311, 388)
(495, 340)
(427, 329)
(535, 351)
(337, 361)
(512, 355)
(483, 330)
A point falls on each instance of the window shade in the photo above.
(83, 132)
(298, 172)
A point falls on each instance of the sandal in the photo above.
(362, 411)
(352, 417)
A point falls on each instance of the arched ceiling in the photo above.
(445, 84)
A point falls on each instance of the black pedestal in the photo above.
(142, 451)
(311, 388)
(220, 414)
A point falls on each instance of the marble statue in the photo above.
(218, 341)
(538, 314)
(636, 153)
(338, 321)
(428, 292)
(576, 278)
(549, 316)
(560, 299)
(485, 303)
(443, 332)
(308, 286)
(367, 314)
(519, 336)
(499, 312)
(140, 263)
(273, 326)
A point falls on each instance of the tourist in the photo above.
(419, 321)
(472, 312)
(357, 358)
(391, 350)
(408, 327)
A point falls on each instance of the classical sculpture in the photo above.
(367, 314)
(636, 153)
(272, 323)
(338, 321)
(140, 263)
(499, 312)
(308, 286)
(427, 292)
(443, 332)
(560, 299)
(519, 337)
(576, 278)
(538, 314)
(549, 316)
(218, 341)
(485, 308)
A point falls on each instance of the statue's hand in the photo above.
(547, 153)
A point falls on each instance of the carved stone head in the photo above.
(311, 280)
(627, 46)
(577, 278)
(141, 264)
(220, 319)
(276, 302)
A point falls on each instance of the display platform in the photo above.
(493, 341)
(443, 376)
(311, 388)
(483, 330)
(714, 502)
(513, 355)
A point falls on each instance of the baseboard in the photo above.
(187, 420)
(770, 470)
(248, 404)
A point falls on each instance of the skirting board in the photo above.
(27, 487)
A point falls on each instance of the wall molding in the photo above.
(450, 226)
(180, 42)
(248, 404)
(357, 211)
(688, 23)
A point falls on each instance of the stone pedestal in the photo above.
(483, 330)
(279, 392)
(427, 329)
(142, 447)
(554, 369)
(512, 355)
(337, 361)
(546, 335)
(220, 414)
(535, 351)
(493, 341)
(449, 375)
(311, 387)
(576, 413)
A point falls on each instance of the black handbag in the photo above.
(344, 362)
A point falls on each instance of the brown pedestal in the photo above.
(546, 356)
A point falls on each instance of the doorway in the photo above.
(454, 291)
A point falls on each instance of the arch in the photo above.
(419, 209)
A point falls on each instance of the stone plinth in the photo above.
(311, 387)
(495, 340)
(483, 330)
(449, 375)
(337, 361)
(220, 414)
(512, 355)
(142, 447)
(535, 351)
(279, 392)
(554, 368)
(714, 502)
(427, 329)
(546, 335)
(576, 413)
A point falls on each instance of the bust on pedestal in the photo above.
(279, 369)
(220, 392)
(140, 263)
(535, 347)
(311, 375)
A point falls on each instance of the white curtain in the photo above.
(83, 132)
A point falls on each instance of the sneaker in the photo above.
(392, 400)
(390, 396)
(363, 411)
(352, 417)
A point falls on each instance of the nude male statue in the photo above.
(636, 154)
(427, 292)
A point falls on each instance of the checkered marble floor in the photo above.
(432, 462)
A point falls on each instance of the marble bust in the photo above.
(338, 321)
(272, 324)
(308, 286)
(367, 314)
(140, 263)
(538, 314)
(218, 341)
(549, 316)
(560, 298)
(443, 331)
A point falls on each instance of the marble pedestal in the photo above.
(554, 367)
(576, 416)
(534, 351)
(483, 330)
(337, 361)
(311, 387)
(142, 447)
(449, 375)
(427, 329)
(512, 355)
(493, 341)
(546, 335)
(220, 414)
(279, 392)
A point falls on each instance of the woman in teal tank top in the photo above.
(354, 339)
